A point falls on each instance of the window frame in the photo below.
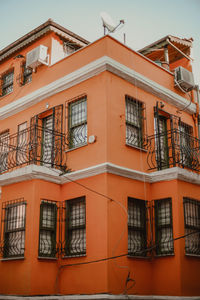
(138, 125)
(78, 229)
(26, 74)
(160, 229)
(48, 230)
(73, 138)
(134, 229)
(7, 87)
(189, 228)
(11, 218)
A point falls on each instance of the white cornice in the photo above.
(88, 71)
(51, 175)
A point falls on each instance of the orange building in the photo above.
(99, 169)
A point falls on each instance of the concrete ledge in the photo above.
(99, 297)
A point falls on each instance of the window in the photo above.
(7, 83)
(4, 150)
(21, 155)
(26, 75)
(163, 227)
(186, 148)
(136, 227)
(134, 122)
(75, 227)
(192, 226)
(14, 228)
(77, 122)
(47, 235)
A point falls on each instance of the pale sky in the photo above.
(145, 20)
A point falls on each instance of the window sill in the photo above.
(192, 255)
(138, 257)
(164, 255)
(12, 258)
(1, 97)
(136, 147)
(47, 258)
(74, 148)
(74, 256)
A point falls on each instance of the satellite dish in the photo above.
(108, 22)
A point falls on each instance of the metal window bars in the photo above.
(75, 227)
(192, 226)
(48, 228)
(13, 228)
(7, 83)
(77, 122)
(137, 231)
(26, 74)
(135, 117)
(163, 227)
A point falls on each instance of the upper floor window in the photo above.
(26, 74)
(75, 227)
(186, 144)
(136, 227)
(77, 122)
(13, 217)
(163, 227)
(134, 122)
(7, 83)
(192, 226)
(47, 235)
(4, 150)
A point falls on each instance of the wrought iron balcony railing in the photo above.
(33, 145)
(173, 148)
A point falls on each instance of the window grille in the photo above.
(48, 222)
(136, 227)
(7, 83)
(75, 227)
(27, 74)
(134, 122)
(192, 226)
(186, 144)
(21, 143)
(77, 122)
(13, 219)
(163, 227)
(4, 151)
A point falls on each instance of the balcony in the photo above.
(33, 145)
(173, 148)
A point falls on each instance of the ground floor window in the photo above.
(192, 226)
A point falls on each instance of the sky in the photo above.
(145, 20)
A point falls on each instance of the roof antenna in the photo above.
(108, 23)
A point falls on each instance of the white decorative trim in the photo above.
(88, 71)
(99, 297)
(51, 175)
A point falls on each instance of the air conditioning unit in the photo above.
(184, 79)
(37, 56)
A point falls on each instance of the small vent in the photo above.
(37, 56)
(184, 79)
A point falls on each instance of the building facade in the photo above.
(99, 168)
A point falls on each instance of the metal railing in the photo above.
(171, 149)
(33, 145)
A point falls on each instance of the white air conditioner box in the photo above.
(37, 56)
(184, 79)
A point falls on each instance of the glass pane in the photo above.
(166, 241)
(45, 242)
(164, 213)
(14, 244)
(15, 217)
(78, 113)
(48, 216)
(78, 241)
(192, 214)
(134, 215)
(192, 242)
(77, 214)
(79, 135)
